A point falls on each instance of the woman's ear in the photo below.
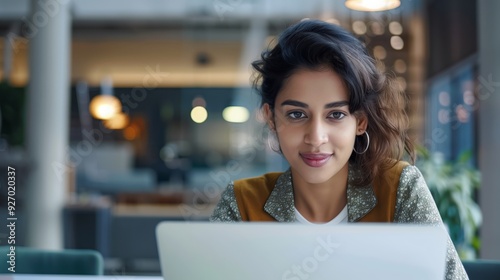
(268, 115)
(362, 124)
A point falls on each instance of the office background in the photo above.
(185, 120)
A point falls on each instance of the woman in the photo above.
(341, 125)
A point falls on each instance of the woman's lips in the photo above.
(315, 160)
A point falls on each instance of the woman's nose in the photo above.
(316, 133)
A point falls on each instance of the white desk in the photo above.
(15, 276)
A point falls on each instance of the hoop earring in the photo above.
(367, 145)
(270, 145)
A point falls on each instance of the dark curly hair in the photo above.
(318, 45)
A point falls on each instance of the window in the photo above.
(451, 119)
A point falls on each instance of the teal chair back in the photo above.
(38, 261)
(482, 269)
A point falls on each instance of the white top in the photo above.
(341, 218)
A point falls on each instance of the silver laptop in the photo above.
(265, 251)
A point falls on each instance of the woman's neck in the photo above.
(320, 203)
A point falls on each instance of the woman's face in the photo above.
(315, 130)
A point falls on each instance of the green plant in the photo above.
(453, 186)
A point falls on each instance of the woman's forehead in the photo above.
(323, 86)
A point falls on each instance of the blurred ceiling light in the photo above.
(118, 121)
(379, 52)
(169, 152)
(462, 113)
(359, 27)
(199, 114)
(444, 116)
(469, 97)
(400, 66)
(444, 98)
(105, 105)
(236, 114)
(395, 28)
(130, 133)
(372, 5)
(377, 28)
(397, 43)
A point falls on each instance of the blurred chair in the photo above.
(482, 269)
(38, 261)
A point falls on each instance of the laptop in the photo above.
(254, 251)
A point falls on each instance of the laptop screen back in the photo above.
(190, 251)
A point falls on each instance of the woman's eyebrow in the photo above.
(337, 104)
(294, 103)
(304, 105)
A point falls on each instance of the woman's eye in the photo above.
(337, 115)
(296, 115)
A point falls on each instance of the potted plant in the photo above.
(453, 186)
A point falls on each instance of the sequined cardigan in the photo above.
(399, 195)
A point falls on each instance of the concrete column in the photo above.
(49, 34)
(488, 92)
